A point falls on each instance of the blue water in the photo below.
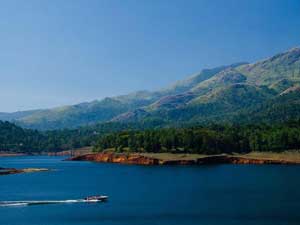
(141, 195)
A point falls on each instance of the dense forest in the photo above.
(212, 139)
(16, 139)
(208, 139)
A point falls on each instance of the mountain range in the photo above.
(267, 90)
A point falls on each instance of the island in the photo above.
(9, 171)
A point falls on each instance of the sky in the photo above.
(55, 52)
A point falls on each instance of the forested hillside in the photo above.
(16, 139)
(242, 90)
(213, 139)
(225, 93)
(209, 139)
(255, 101)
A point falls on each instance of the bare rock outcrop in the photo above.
(138, 159)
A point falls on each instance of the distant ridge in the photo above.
(218, 94)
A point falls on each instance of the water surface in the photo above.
(173, 195)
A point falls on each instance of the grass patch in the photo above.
(286, 155)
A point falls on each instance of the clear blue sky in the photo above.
(58, 52)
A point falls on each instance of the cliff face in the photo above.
(117, 158)
(145, 160)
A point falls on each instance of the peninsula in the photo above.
(190, 159)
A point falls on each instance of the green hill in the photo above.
(217, 94)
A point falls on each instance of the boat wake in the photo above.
(12, 204)
(46, 202)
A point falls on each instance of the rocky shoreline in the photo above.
(140, 159)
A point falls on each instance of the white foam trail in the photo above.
(13, 204)
(27, 203)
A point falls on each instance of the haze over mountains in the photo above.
(262, 91)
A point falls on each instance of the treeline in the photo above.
(209, 139)
(212, 139)
(16, 139)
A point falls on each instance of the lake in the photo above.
(142, 195)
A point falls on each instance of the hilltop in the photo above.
(245, 92)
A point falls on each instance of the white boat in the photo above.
(96, 198)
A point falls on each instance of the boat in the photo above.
(89, 199)
(96, 198)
